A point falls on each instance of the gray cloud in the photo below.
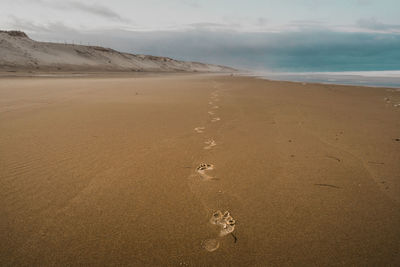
(190, 3)
(97, 10)
(307, 22)
(206, 26)
(262, 21)
(48, 28)
(93, 9)
(305, 25)
(374, 24)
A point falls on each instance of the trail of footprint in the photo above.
(224, 221)
(210, 143)
(199, 129)
(203, 167)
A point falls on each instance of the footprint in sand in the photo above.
(214, 93)
(211, 245)
(203, 167)
(226, 223)
(210, 143)
(211, 112)
(215, 119)
(199, 129)
(215, 107)
(210, 102)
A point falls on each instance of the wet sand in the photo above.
(108, 171)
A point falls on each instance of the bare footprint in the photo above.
(210, 143)
(211, 245)
(203, 167)
(225, 221)
(199, 129)
(226, 224)
(215, 107)
(211, 112)
(210, 102)
(215, 119)
(214, 97)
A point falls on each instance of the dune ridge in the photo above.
(19, 52)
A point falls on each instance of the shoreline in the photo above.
(334, 78)
(127, 74)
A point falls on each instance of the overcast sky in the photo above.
(240, 33)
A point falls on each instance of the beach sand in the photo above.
(107, 171)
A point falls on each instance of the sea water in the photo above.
(360, 78)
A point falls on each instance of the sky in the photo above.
(280, 35)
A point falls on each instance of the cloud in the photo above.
(262, 21)
(93, 9)
(374, 24)
(98, 10)
(207, 26)
(190, 3)
(31, 26)
(305, 25)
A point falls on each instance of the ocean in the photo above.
(360, 78)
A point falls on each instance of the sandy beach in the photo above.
(143, 171)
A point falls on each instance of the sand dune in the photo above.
(19, 52)
(110, 171)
